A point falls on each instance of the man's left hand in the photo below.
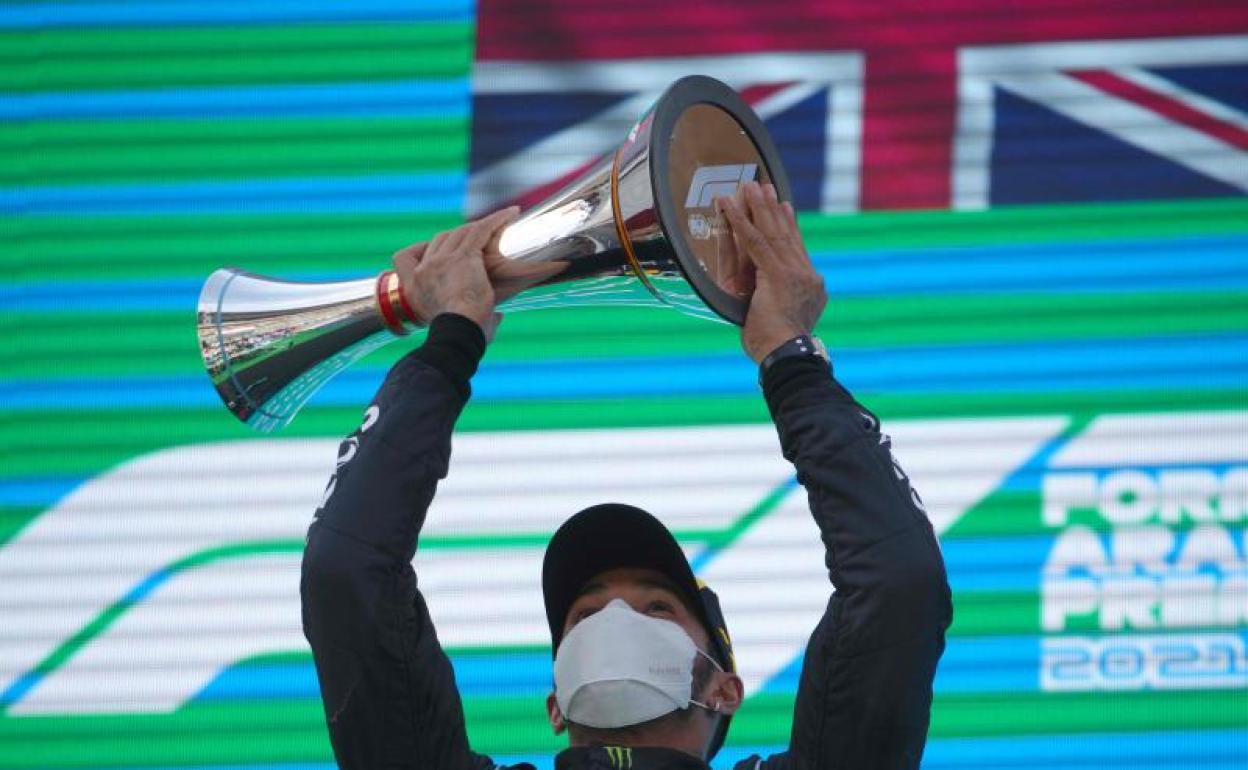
(448, 274)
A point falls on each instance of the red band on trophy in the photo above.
(404, 306)
(387, 284)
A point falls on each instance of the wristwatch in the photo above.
(801, 345)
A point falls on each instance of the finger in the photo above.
(468, 237)
(790, 214)
(438, 245)
(765, 210)
(796, 247)
(792, 245)
(493, 250)
(727, 259)
(741, 280)
(458, 239)
(745, 281)
(455, 240)
(723, 268)
(412, 254)
(739, 195)
(502, 217)
(725, 207)
(750, 240)
(494, 260)
(490, 227)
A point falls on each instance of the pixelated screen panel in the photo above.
(1031, 222)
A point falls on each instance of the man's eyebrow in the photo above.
(661, 583)
(592, 587)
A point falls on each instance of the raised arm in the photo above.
(387, 686)
(865, 691)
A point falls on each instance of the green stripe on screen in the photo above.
(169, 57)
(1024, 225)
(294, 730)
(67, 248)
(86, 152)
(163, 342)
(1003, 513)
(259, 731)
(1017, 613)
(14, 517)
(996, 613)
(74, 442)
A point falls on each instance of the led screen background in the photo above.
(1032, 224)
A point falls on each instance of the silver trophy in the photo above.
(639, 228)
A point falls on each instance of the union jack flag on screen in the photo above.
(949, 103)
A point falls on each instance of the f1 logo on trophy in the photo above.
(637, 228)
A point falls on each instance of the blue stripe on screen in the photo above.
(989, 664)
(1187, 362)
(147, 294)
(516, 674)
(969, 665)
(269, 680)
(1188, 264)
(36, 490)
(996, 563)
(1154, 264)
(19, 687)
(398, 193)
(425, 98)
(233, 12)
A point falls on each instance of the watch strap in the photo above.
(801, 345)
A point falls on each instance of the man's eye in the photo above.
(658, 606)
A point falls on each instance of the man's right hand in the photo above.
(789, 295)
(448, 275)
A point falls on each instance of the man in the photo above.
(643, 664)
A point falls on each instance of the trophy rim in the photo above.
(680, 96)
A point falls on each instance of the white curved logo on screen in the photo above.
(193, 552)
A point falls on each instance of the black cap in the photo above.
(614, 535)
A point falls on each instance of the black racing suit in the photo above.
(389, 692)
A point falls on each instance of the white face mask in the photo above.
(618, 668)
